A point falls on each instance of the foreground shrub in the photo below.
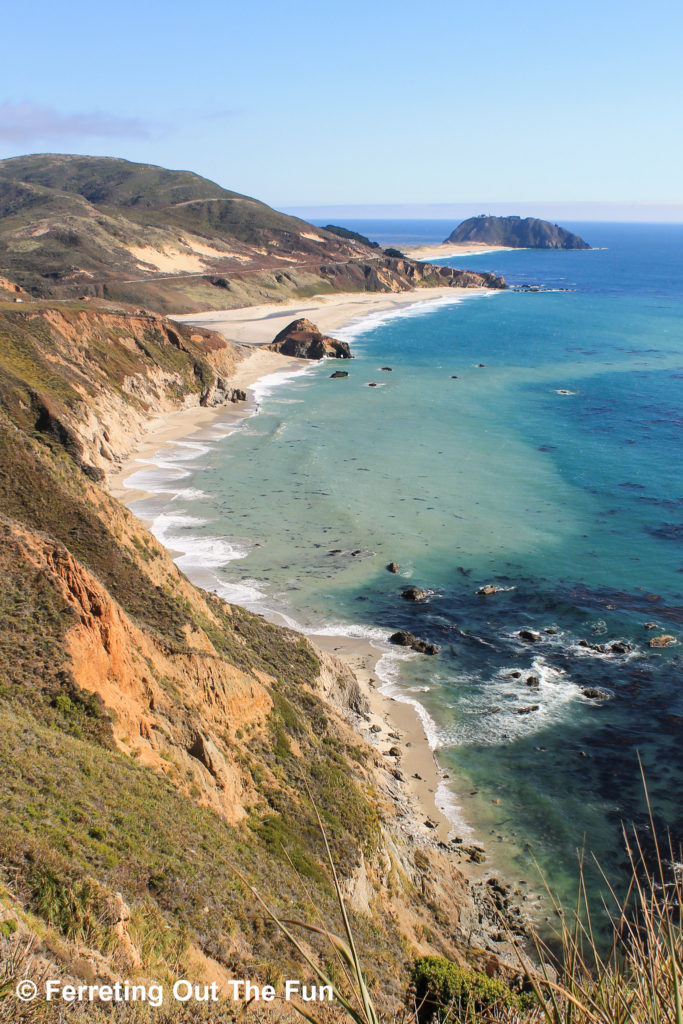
(455, 993)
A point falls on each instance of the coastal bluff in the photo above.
(164, 734)
(517, 233)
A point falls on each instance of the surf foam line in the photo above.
(165, 474)
(422, 307)
(388, 669)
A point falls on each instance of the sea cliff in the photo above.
(151, 733)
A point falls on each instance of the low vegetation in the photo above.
(348, 233)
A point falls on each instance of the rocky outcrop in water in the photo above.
(529, 636)
(405, 639)
(665, 640)
(527, 233)
(304, 340)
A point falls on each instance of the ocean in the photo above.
(527, 440)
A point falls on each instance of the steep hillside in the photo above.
(529, 233)
(88, 379)
(74, 226)
(152, 735)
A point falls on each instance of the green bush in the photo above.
(451, 993)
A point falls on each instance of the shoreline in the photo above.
(171, 427)
(258, 325)
(391, 722)
(443, 250)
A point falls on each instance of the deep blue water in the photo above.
(553, 470)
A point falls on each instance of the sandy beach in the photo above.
(391, 723)
(456, 249)
(258, 325)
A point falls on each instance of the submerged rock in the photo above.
(414, 594)
(422, 647)
(528, 709)
(620, 647)
(489, 588)
(338, 373)
(616, 647)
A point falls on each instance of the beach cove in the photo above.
(392, 723)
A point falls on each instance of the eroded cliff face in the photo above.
(139, 680)
(91, 379)
(164, 734)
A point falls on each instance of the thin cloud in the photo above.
(24, 122)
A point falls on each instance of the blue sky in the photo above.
(310, 104)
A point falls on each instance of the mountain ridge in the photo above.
(74, 226)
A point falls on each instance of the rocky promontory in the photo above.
(304, 340)
(527, 233)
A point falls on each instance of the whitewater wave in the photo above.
(370, 321)
(173, 530)
(515, 702)
(446, 801)
(265, 386)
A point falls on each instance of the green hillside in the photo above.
(74, 225)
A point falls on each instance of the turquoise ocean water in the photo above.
(552, 471)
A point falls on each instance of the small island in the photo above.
(517, 233)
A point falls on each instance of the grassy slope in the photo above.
(67, 224)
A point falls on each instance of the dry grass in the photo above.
(637, 980)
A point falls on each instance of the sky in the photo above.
(372, 103)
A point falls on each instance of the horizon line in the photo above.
(625, 211)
